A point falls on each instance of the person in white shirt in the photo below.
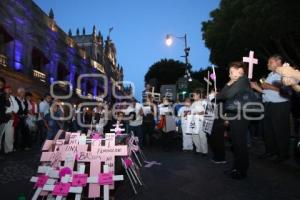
(8, 130)
(150, 116)
(98, 118)
(198, 110)
(187, 140)
(135, 111)
(167, 123)
(44, 109)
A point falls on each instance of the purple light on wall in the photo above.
(72, 75)
(95, 87)
(51, 80)
(18, 55)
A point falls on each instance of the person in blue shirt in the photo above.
(277, 113)
(54, 123)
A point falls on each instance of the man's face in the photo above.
(8, 91)
(273, 64)
(21, 93)
(196, 96)
(48, 99)
(187, 102)
(235, 74)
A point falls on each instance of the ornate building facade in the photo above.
(35, 52)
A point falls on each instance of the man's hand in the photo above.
(230, 82)
(255, 86)
(268, 86)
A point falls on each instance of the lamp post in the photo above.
(169, 42)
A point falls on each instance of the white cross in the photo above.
(251, 60)
(64, 180)
(208, 83)
(117, 128)
(53, 176)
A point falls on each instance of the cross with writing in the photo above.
(105, 179)
(101, 153)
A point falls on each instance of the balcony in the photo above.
(39, 75)
(97, 66)
(78, 91)
(3, 61)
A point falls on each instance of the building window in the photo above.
(62, 72)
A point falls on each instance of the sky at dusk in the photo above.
(140, 27)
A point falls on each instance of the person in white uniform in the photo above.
(187, 140)
(198, 110)
(8, 130)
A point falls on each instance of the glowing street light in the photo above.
(169, 40)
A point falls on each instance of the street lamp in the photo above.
(169, 42)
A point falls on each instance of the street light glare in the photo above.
(169, 40)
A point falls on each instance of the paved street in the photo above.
(181, 176)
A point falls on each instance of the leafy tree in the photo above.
(267, 27)
(165, 71)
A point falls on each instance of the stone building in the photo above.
(35, 52)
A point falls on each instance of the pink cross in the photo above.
(251, 60)
(101, 153)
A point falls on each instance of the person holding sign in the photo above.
(187, 141)
(166, 123)
(197, 113)
(135, 111)
(238, 84)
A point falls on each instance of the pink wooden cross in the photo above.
(251, 60)
(62, 152)
(106, 181)
(101, 153)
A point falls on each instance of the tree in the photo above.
(198, 76)
(267, 27)
(165, 72)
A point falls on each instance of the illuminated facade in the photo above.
(35, 51)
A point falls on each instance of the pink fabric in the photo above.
(64, 171)
(105, 178)
(42, 179)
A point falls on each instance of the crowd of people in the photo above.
(24, 121)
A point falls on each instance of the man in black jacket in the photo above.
(3, 104)
(22, 135)
(238, 124)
